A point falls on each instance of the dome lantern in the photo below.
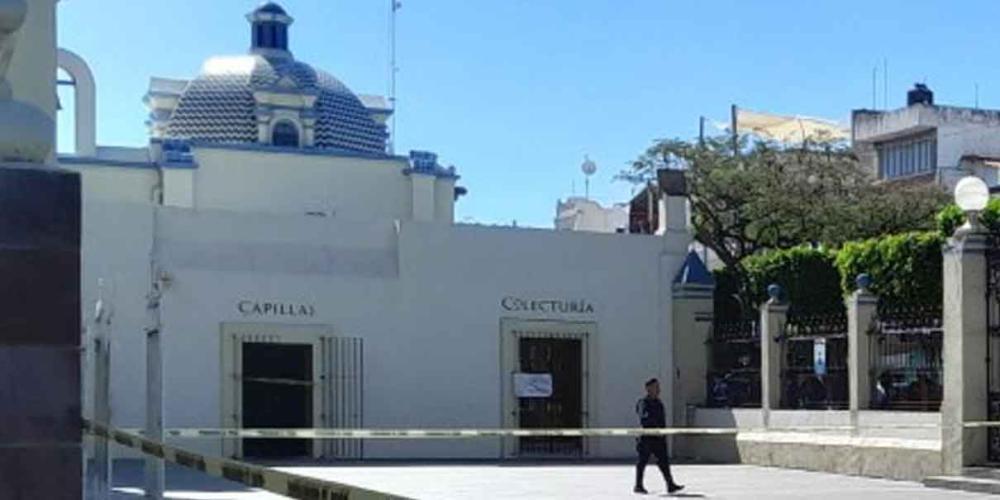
(269, 29)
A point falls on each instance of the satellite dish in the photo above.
(588, 167)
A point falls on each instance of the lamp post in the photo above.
(971, 196)
(966, 340)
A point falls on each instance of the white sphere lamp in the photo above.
(589, 168)
(971, 196)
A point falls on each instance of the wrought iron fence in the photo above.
(814, 362)
(992, 279)
(905, 358)
(734, 365)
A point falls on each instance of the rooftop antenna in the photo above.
(874, 87)
(394, 6)
(885, 84)
(588, 168)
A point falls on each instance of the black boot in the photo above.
(639, 470)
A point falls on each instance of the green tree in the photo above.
(772, 197)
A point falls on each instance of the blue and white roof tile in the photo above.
(219, 106)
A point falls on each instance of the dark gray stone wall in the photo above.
(40, 396)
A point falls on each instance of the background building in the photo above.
(925, 142)
(583, 214)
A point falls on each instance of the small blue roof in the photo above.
(271, 8)
(694, 272)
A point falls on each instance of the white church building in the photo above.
(307, 277)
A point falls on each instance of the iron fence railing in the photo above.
(733, 378)
(814, 362)
(905, 345)
(992, 282)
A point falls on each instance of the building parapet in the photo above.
(876, 126)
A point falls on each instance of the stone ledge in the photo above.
(901, 459)
(840, 440)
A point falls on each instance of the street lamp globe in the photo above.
(971, 196)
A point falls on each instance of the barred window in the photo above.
(907, 157)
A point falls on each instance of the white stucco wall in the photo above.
(427, 302)
(960, 138)
(113, 184)
(179, 187)
(115, 247)
(269, 182)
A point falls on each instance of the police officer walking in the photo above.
(652, 416)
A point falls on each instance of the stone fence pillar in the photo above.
(965, 352)
(773, 315)
(862, 306)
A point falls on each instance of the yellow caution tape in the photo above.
(488, 433)
(281, 483)
(977, 425)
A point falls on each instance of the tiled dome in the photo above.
(219, 105)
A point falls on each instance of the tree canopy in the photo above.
(773, 197)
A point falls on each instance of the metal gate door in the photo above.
(343, 396)
(335, 382)
(562, 358)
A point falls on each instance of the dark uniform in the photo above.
(652, 416)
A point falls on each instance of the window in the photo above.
(285, 134)
(281, 37)
(906, 157)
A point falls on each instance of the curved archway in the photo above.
(85, 98)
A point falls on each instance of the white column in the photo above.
(672, 214)
(692, 321)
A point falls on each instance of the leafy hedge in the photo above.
(905, 268)
(951, 217)
(808, 278)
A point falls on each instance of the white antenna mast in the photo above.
(394, 6)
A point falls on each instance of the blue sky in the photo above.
(515, 92)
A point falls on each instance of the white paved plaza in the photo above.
(465, 482)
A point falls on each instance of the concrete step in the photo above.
(986, 472)
(964, 483)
